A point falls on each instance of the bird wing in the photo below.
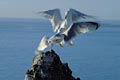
(79, 28)
(77, 15)
(43, 44)
(72, 16)
(54, 16)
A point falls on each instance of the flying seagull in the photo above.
(65, 29)
(60, 25)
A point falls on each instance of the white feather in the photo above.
(54, 16)
(43, 44)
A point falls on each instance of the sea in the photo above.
(94, 55)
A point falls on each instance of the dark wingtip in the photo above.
(98, 25)
(95, 23)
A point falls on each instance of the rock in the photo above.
(48, 66)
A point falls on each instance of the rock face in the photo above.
(48, 66)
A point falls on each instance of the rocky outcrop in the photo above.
(48, 66)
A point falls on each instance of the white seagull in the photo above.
(65, 29)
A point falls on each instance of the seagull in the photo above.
(65, 29)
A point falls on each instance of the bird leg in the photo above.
(70, 43)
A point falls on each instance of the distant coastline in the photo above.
(10, 19)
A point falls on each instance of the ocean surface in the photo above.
(94, 56)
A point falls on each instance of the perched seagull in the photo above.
(65, 30)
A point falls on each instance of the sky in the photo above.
(103, 9)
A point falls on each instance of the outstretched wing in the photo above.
(75, 15)
(72, 16)
(43, 44)
(54, 16)
(79, 28)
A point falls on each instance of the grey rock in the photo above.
(48, 66)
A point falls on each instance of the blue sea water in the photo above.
(94, 56)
